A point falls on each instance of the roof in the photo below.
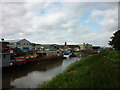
(14, 40)
(71, 45)
(3, 42)
(49, 44)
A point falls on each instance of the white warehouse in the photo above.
(21, 44)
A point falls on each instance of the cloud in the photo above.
(60, 0)
(108, 19)
(50, 22)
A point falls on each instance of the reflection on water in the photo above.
(30, 77)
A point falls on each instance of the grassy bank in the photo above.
(95, 71)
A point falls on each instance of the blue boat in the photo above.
(67, 54)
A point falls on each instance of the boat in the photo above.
(9, 58)
(66, 54)
(72, 55)
(36, 57)
(18, 62)
(8, 61)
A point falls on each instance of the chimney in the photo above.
(2, 39)
(65, 43)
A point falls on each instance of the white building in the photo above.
(39, 47)
(85, 46)
(21, 44)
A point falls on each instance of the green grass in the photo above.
(95, 71)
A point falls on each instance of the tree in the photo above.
(115, 42)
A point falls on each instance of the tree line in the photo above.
(115, 40)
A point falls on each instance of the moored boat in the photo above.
(66, 54)
(18, 62)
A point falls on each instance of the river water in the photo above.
(32, 76)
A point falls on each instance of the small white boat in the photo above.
(66, 54)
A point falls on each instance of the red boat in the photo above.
(33, 58)
(20, 58)
(18, 62)
(23, 60)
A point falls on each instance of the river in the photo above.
(32, 76)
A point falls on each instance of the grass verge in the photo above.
(95, 71)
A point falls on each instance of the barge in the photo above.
(39, 57)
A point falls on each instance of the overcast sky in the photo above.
(57, 22)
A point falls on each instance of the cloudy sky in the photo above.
(57, 22)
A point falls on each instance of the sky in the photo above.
(57, 22)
